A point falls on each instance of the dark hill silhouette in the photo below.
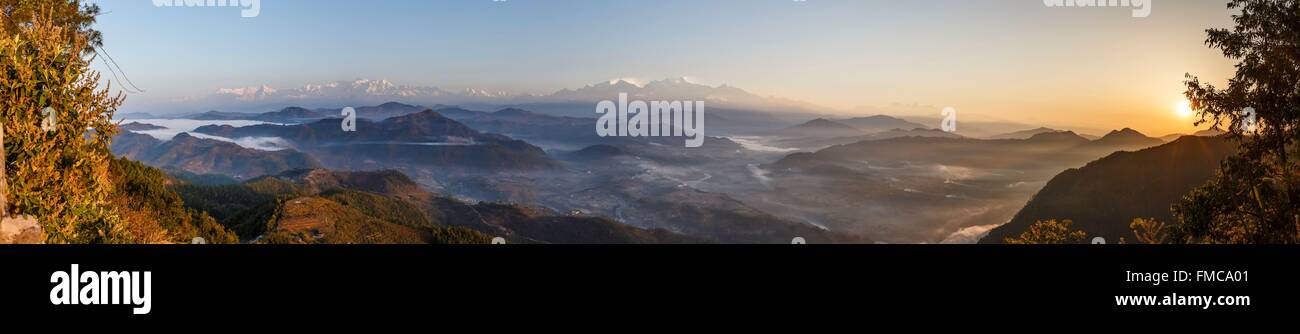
(596, 152)
(1104, 196)
(1127, 137)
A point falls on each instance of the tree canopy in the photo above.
(1255, 198)
(57, 164)
(75, 17)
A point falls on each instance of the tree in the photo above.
(1049, 232)
(59, 176)
(1149, 231)
(76, 17)
(1255, 197)
(153, 212)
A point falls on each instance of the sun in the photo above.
(1184, 109)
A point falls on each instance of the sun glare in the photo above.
(1184, 109)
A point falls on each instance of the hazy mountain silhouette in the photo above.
(290, 115)
(214, 115)
(595, 152)
(1127, 137)
(1025, 134)
(1044, 149)
(1104, 196)
(137, 126)
(880, 123)
(818, 128)
(815, 143)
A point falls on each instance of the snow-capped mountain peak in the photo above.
(361, 91)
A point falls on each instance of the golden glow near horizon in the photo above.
(1184, 109)
(1028, 68)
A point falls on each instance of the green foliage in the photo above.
(239, 207)
(156, 213)
(381, 207)
(282, 212)
(1149, 231)
(1049, 232)
(316, 220)
(73, 14)
(455, 235)
(1255, 198)
(223, 202)
(60, 177)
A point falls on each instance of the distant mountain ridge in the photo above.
(207, 156)
(817, 143)
(820, 128)
(1025, 134)
(366, 91)
(680, 89)
(1201, 133)
(1042, 149)
(426, 139)
(1128, 136)
(880, 123)
(290, 115)
(137, 126)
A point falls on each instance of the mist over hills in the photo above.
(1043, 148)
(813, 143)
(1104, 196)
(925, 189)
(731, 110)
(323, 206)
(207, 156)
(423, 139)
(828, 180)
(1024, 134)
(477, 166)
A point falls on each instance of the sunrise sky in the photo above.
(1016, 60)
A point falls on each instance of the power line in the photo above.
(101, 50)
(110, 70)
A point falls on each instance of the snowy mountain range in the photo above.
(363, 91)
(360, 88)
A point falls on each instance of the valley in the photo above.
(875, 179)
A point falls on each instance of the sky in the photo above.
(1016, 60)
